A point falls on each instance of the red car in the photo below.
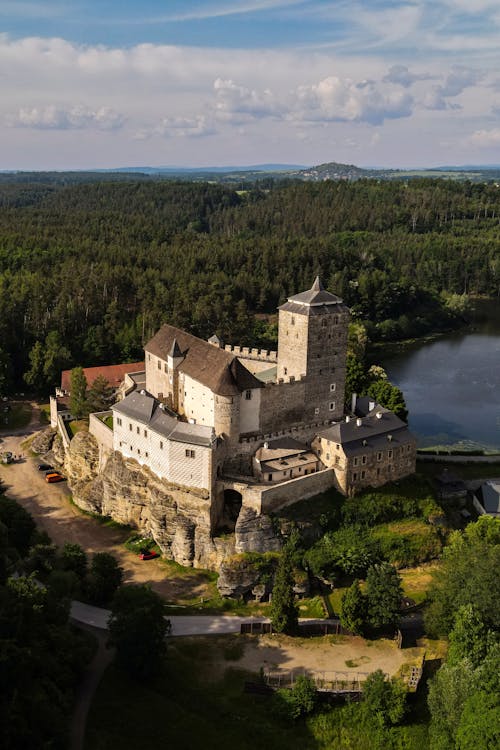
(54, 477)
(148, 554)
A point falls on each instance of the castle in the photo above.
(259, 428)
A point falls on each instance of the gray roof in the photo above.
(491, 497)
(371, 427)
(316, 295)
(280, 448)
(143, 407)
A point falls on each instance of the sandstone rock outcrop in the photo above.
(255, 533)
(42, 442)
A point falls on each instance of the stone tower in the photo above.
(312, 346)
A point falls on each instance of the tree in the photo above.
(353, 609)
(384, 697)
(5, 371)
(300, 700)
(56, 356)
(78, 399)
(390, 396)
(383, 592)
(284, 612)
(469, 639)
(448, 690)
(138, 629)
(100, 394)
(468, 575)
(74, 558)
(34, 377)
(355, 379)
(20, 525)
(104, 577)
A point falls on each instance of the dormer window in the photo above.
(248, 395)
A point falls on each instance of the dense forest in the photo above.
(88, 270)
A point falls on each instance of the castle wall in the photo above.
(196, 401)
(282, 405)
(250, 405)
(292, 345)
(273, 498)
(227, 417)
(157, 377)
(190, 465)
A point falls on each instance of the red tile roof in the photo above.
(114, 374)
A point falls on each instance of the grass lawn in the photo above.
(18, 416)
(469, 470)
(417, 581)
(77, 425)
(200, 703)
(108, 421)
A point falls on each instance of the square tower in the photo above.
(312, 346)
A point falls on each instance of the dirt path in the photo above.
(50, 506)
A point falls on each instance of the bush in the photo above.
(300, 700)
(407, 543)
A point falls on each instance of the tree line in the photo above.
(88, 271)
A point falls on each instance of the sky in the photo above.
(105, 83)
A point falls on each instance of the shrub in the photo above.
(300, 700)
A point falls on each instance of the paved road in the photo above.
(181, 624)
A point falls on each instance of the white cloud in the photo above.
(334, 99)
(76, 117)
(234, 102)
(224, 9)
(459, 79)
(183, 127)
(485, 138)
(400, 74)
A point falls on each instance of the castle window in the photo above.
(131, 449)
(159, 364)
(165, 367)
(119, 421)
(269, 477)
(316, 410)
(337, 447)
(356, 461)
(333, 386)
(130, 427)
(248, 395)
(336, 319)
(355, 476)
(190, 453)
(337, 460)
(389, 454)
(332, 405)
(293, 320)
(362, 475)
(378, 472)
(285, 371)
(139, 451)
(161, 445)
(379, 456)
(363, 459)
(138, 430)
(145, 433)
(327, 456)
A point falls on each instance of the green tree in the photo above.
(20, 525)
(78, 398)
(301, 699)
(390, 396)
(35, 377)
(284, 612)
(468, 575)
(384, 697)
(74, 558)
(100, 394)
(56, 356)
(5, 372)
(104, 577)
(353, 611)
(355, 380)
(383, 592)
(469, 639)
(138, 630)
(448, 691)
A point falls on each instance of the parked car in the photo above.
(54, 477)
(45, 467)
(7, 458)
(148, 554)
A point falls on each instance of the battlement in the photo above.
(262, 355)
(293, 431)
(287, 380)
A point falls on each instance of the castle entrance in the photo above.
(231, 510)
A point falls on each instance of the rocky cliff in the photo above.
(177, 518)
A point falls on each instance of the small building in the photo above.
(367, 451)
(487, 498)
(283, 459)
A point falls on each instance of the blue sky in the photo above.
(202, 82)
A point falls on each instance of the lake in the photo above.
(452, 387)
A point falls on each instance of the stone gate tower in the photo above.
(312, 347)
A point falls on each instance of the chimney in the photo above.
(266, 445)
(371, 405)
(379, 415)
(359, 422)
(354, 399)
(348, 418)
